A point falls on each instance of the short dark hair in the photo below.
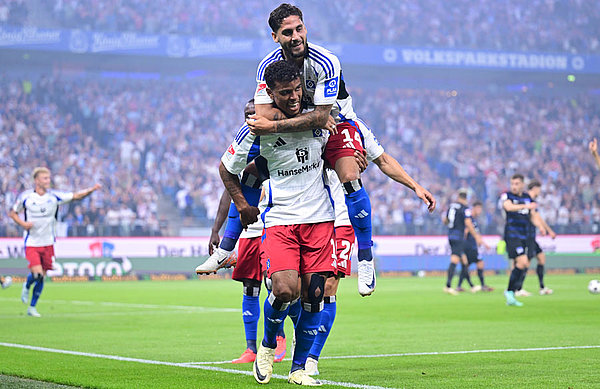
(283, 11)
(477, 204)
(462, 194)
(518, 176)
(280, 71)
(534, 184)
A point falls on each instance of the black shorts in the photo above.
(533, 249)
(516, 247)
(472, 254)
(457, 247)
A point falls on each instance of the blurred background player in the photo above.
(324, 90)
(458, 219)
(471, 253)
(40, 210)
(534, 250)
(5, 281)
(518, 207)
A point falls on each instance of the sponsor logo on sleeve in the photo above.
(261, 87)
(231, 150)
(331, 87)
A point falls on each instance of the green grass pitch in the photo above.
(164, 325)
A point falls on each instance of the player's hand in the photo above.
(531, 206)
(543, 231)
(552, 234)
(213, 242)
(260, 125)
(27, 225)
(593, 146)
(485, 245)
(97, 186)
(361, 160)
(248, 215)
(331, 125)
(427, 198)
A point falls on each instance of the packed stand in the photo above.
(155, 145)
(540, 25)
(14, 12)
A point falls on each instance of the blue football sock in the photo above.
(30, 280)
(233, 229)
(294, 312)
(37, 291)
(275, 313)
(308, 324)
(359, 211)
(327, 319)
(251, 314)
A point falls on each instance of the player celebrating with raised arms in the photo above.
(40, 210)
(325, 93)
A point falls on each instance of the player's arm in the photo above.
(392, 168)
(594, 150)
(278, 122)
(510, 207)
(537, 221)
(471, 230)
(17, 219)
(85, 192)
(222, 212)
(549, 229)
(248, 214)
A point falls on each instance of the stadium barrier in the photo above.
(166, 258)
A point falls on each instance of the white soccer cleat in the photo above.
(300, 377)
(263, 364)
(311, 366)
(7, 282)
(546, 291)
(450, 291)
(220, 259)
(476, 288)
(366, 278)
(25, 293)
(522, 293)
(31, 311)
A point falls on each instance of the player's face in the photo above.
(42, 181)
(516, 186)
(287, 96)
(476, 210)
(535, 192)
(291, 36)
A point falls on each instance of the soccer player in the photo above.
(40, 210)
(534, 250)
(518, 207)
(458, 219)
(5, 281)
(471, 254)
(299, 237)
(594, 150)
(325, 92)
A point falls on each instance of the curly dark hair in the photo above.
(280, 71)
(283, 11)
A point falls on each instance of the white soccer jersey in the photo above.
(339, 200)
(256, 229)
(42, 211)
(322, 81)
(372, 146)
(296, 189)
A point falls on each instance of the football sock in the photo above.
(480, 275)
(233, 229)
(306, 331)
(359, 211)
(540, 273)
(464, 275)
(451, 269)
(37, 291)
(30, 280)
(522, 279)
(250, 315)
(275, 313)
(327, 319)
(515, 277)
(294, 312)
(280, 331)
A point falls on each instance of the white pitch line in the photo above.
(163, 363)
(505, 350)
(188, 308)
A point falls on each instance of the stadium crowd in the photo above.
(160, 141)
(540, 25)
